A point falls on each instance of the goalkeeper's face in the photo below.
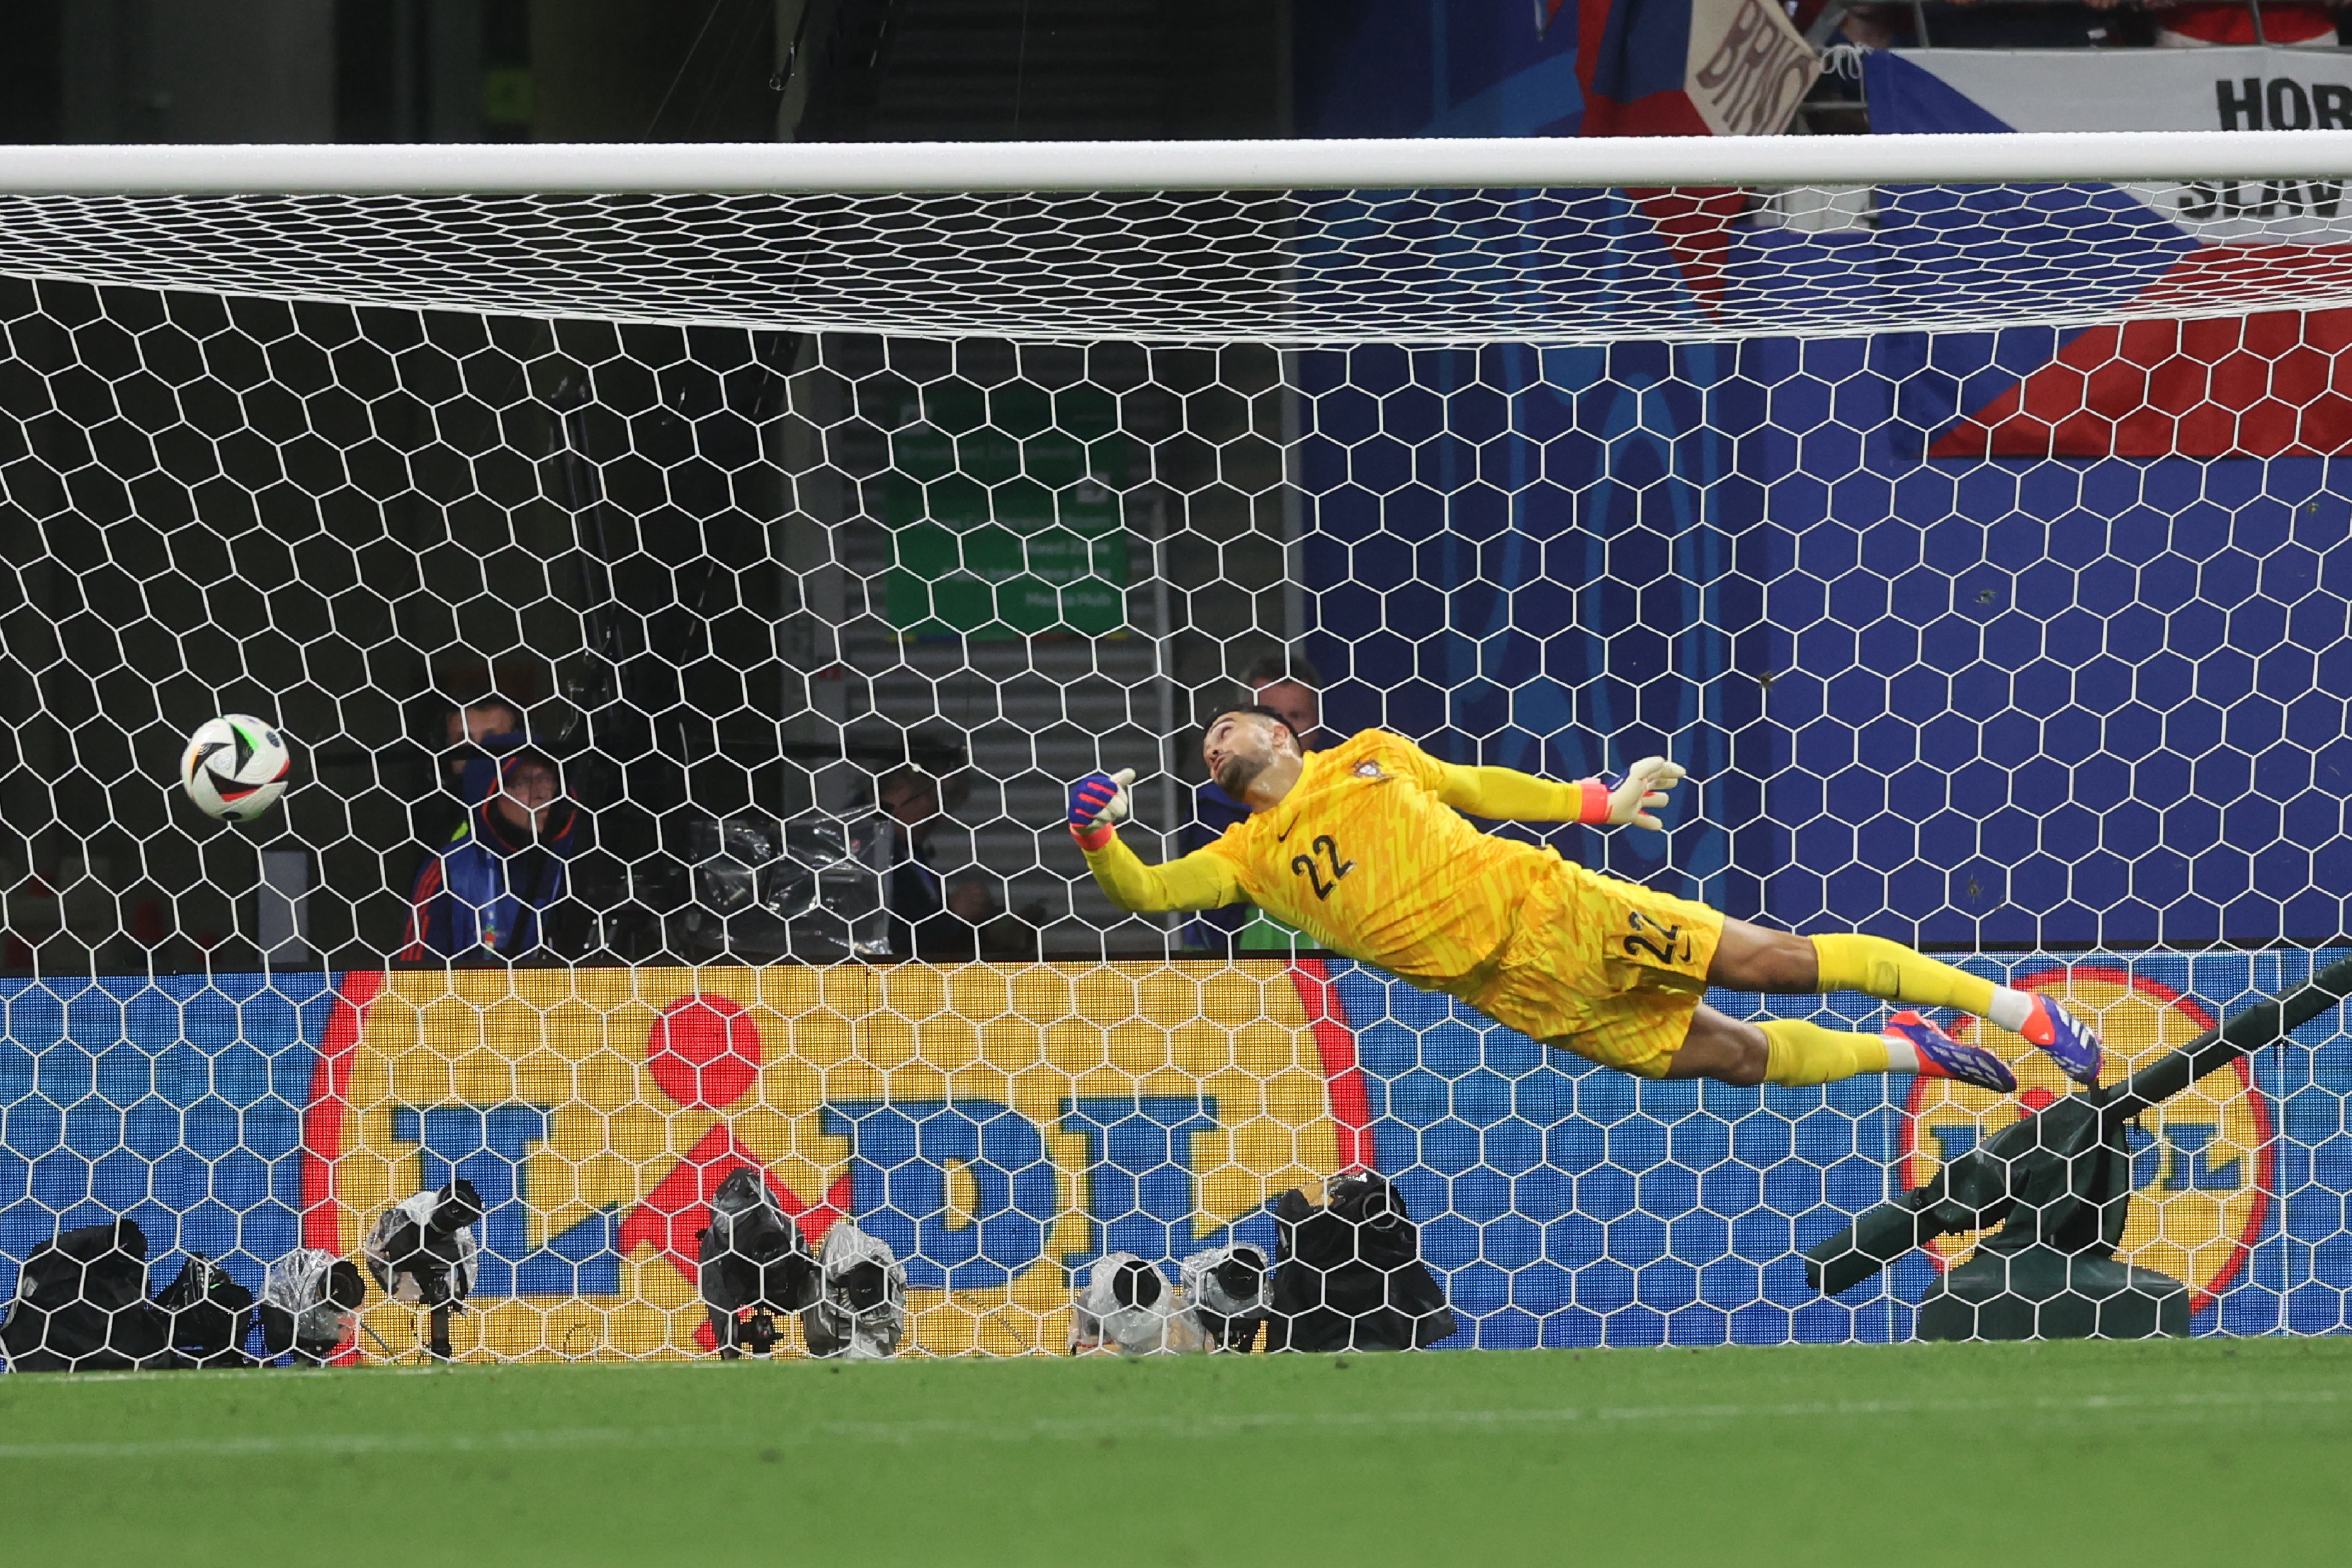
(1240, 747)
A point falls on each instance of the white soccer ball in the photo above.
(236, 767)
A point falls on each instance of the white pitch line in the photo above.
(1080, 1429)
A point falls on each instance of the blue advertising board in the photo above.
(1001, 1127)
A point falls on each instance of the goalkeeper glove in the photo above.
(1099, 804)
(1645, 786)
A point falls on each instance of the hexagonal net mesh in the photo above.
(686, 613)
(1286, 267)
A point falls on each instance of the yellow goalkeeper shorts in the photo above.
(1603, 967)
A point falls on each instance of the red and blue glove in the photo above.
(1099, 804)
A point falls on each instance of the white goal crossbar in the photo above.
(1493, 162)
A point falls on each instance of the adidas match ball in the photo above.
(236, 767)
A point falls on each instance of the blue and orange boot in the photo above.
(1940, 1056)
(2064, 1040)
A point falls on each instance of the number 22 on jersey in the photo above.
(1314, 870)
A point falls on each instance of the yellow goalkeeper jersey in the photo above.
(1369, 856)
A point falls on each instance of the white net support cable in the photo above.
(1431, 242)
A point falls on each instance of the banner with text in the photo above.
(1976, 90)
(1002, 1126)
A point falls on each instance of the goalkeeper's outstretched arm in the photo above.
(1508, 795)
(1197, 881)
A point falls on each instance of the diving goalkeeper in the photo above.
(1363, 848)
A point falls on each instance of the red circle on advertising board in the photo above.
(704, 1051)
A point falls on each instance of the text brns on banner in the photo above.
(2144, 89)
(1748, 67)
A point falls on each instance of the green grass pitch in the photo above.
(2209, 1451)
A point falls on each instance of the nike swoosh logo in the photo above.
(1284, 835)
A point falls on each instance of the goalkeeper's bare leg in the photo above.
(1793, 1051)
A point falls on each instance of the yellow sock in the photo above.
(1797, 1052)
(1877, 967)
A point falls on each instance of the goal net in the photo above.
(1978, 533)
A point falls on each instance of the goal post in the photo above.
(1969, 514)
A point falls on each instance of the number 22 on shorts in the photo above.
(1655, 940)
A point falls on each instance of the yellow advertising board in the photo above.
(998, 1126)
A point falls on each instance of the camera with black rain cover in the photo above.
(82, 1305)
(207, 1314)
(1348, 1274)
(755, 1265)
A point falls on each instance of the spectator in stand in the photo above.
(471, 708)
(2056, 25)
(469, 728)
(497, 889)
(2168, 24)
(982, 930)
(922, 922)
(1289, 685)
(1874, 27)
(2285, 24)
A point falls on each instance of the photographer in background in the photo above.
(499, 885)
(930, 919)
(469, 707)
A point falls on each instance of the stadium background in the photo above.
(1757, 553)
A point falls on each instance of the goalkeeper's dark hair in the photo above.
(1262, 711)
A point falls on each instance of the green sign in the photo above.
(1003, 509)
